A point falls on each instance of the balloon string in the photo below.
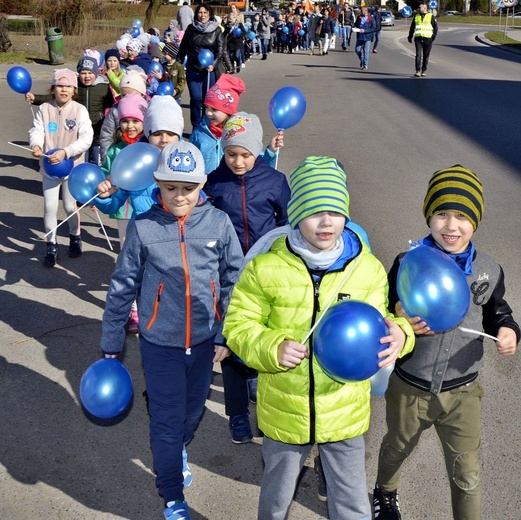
(277, 158)
(24, 148)
(479, 333)
(344, 280)
(103, 228)
(71, 215)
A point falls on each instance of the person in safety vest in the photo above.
(424, 29)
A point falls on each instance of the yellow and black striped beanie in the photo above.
(455, 189)
(317, 184)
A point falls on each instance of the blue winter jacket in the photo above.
(368, 24)
(256, 202)
(211, 148)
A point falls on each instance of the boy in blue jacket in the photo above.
(255, 197)
(180, 316)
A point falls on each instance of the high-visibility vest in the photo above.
(423, 26)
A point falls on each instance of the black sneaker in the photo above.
(385, 505)
(74, 246)
(240, 429)
(321, 479)
(50, 258)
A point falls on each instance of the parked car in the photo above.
(452, 13)
(387, 18)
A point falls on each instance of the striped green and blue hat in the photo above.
(455, 189)
(317, 184)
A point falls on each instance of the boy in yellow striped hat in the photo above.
(437, 385)
(278, 298)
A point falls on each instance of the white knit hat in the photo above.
(164, 113)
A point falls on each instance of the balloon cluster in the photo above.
(347, 341)
(287, 107)
(106, 388)
(431, 285)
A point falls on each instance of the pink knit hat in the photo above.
(132, 106)
(65, 78)
(224, 94)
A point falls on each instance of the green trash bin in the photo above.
(54, 39)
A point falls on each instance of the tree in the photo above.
(151, 14)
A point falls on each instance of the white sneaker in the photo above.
(243, 65)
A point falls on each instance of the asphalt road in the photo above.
(391, 131)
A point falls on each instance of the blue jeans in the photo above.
(198, 85)
(177, 386)
(345, 34)
(362, 51)
(264, 45)
(376, 39)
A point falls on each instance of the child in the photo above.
(255, 196)
(181, 337)
(113, 72)
(64, 124)
(221, 102)
(275, 303)
(175, 72)
(437, 385)
(164, 121)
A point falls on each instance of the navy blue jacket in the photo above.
(255, 202)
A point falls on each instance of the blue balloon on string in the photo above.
(59, 170)
(133, 168)
(346, 342)
(206, 58)
(252, 35)
(406, 11)
(84, 180)
(106, 388)
(431, 285)
(287, 107)
(135, 32)
(301, 32)
(285, 30)
(136, 22)
(19, 80)
(165, 89)
(237, 31)
(155, 66)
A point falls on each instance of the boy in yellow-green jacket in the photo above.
(274, 305)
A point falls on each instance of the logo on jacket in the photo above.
(70, 124)
(182, 162)
(478, 290)
(235, 127)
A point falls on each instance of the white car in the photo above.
(452, 13)
(387, 18)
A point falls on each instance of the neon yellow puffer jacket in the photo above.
(274, 300)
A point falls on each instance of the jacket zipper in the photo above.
(316, 310)
(245, 216)
(187, 285)
(214, 293)
(156, 306)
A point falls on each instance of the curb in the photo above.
(485, 41)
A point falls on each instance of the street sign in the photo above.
(406, 11)
(433, 4)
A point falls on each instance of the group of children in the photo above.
(199, 301)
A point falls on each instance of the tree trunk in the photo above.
(152, 10)
(5, 41)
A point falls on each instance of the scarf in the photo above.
(130, 140)
(464, 259)
(315, 259)
(207, 27)
(217, 131)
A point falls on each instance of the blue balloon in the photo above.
(83, 181)
(335, 30)
(252, 35)
(135, 32)
(237, 31)
(347, 341)
(133, 168)
(155, 66)
(285, 30)
(431, 285)
(287, 107)
(106, 388)
(380, 381)
(206, 58)
(60, 170)
(19, 80)
(301, 32)
(165, 89)
(136, 22)
(284, 37)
